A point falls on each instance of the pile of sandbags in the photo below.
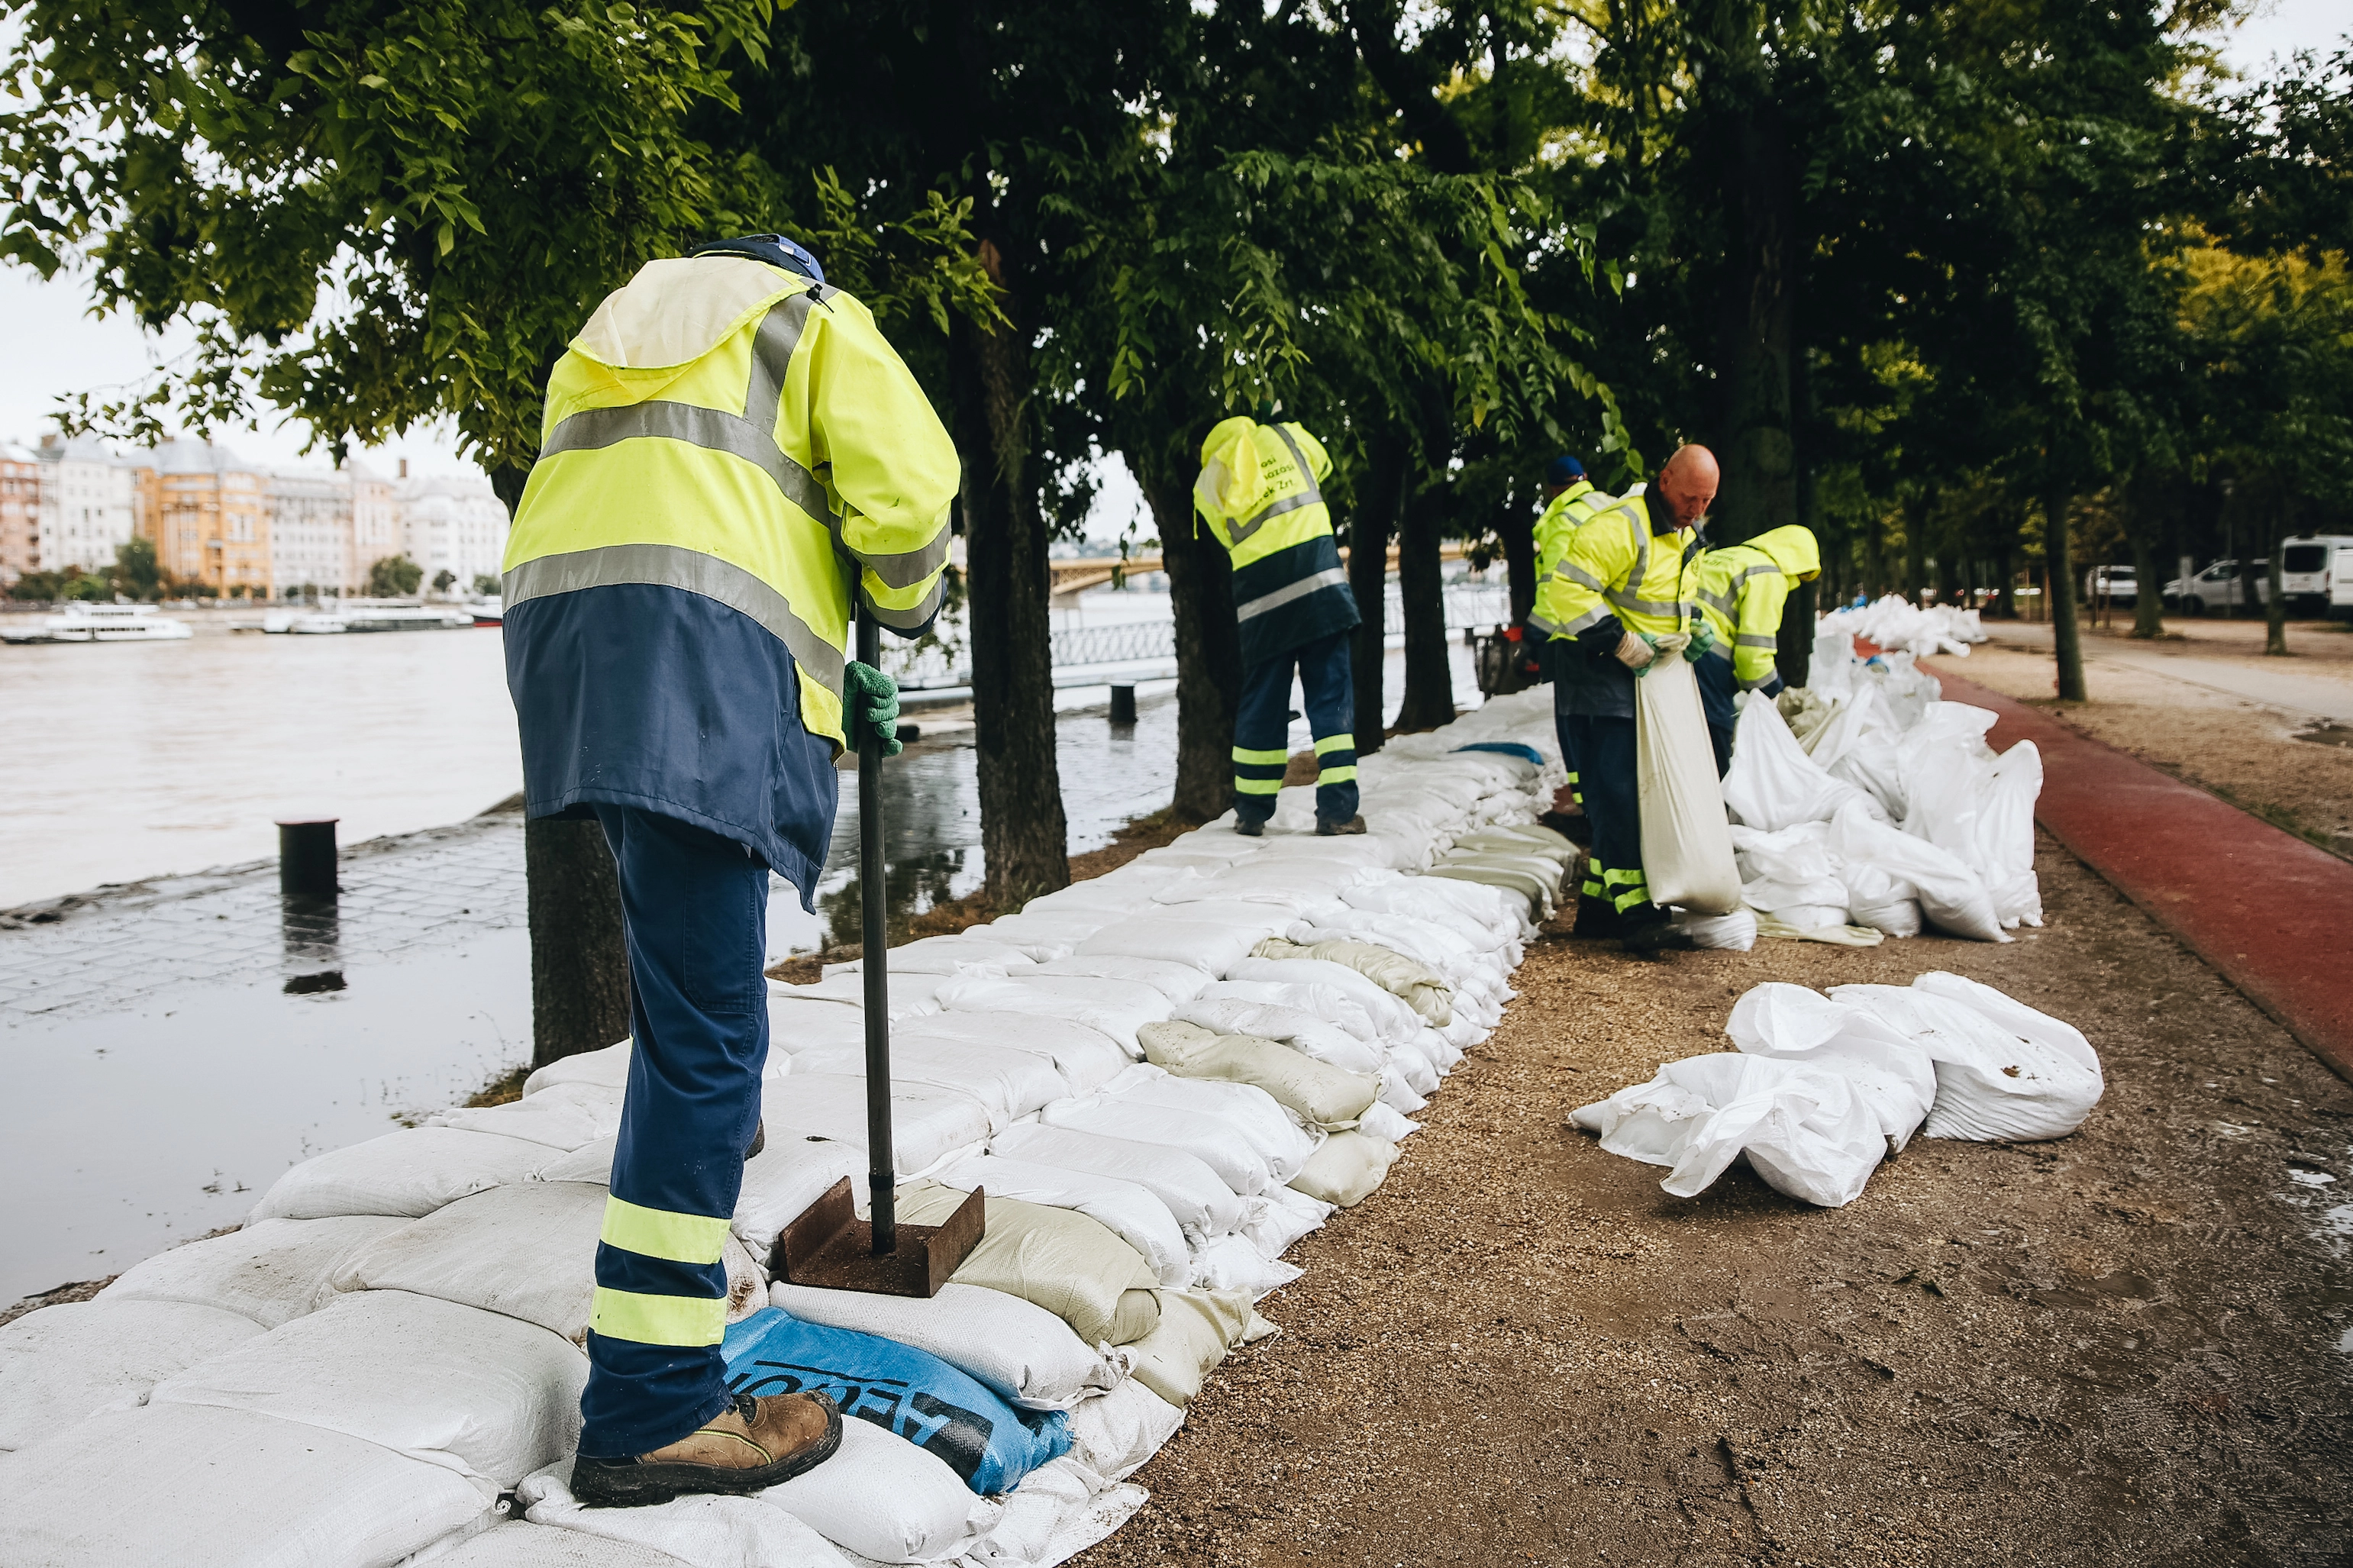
(1163, 1079)
(1819, 1090)
(1875, 806)
(1896, 625)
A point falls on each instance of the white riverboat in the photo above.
(367, 616)
(82, 622)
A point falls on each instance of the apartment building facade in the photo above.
(453, 525)
(20, 512)
(88, 503)
(211, 516)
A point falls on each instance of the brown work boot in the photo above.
(755, 1444)
(759, 1139)
(1326, 829)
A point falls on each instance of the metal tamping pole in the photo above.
(874, 899)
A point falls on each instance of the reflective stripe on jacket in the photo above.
(1743, 589)
(728, 449)
(1260, 491)
(1614, 565)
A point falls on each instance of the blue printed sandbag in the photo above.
(901, 1389)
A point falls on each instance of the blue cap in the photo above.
(773, 248)
(1563, 470)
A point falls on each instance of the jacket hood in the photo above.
(1230, 477)
(1792, 549)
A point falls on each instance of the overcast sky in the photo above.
(52, 346)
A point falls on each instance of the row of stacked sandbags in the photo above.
(1163, 1079)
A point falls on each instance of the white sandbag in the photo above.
(1735, 932)
(273, 1271)
(1283, 1215)
(491, 1397)
(61, 1363)
(606, 1068)
(1057, 1258)
(1388, 1125)
(1135, 1214)
(927, 1124)
(1773, 783)
(1114, 1434)
(796, 1025)
(519, 1543)
(406, 1174)
(700, 1530)
(1803, 1127)
(1487, 910)
(1117, 1007)
(1391, 1016)
(1010, 1084)
(1059, 1510)
(1302, 1031)
(1210, 945)
(911, 994)
(1177, 982)
(562, 1116)
(886, 1499)
(1199, 1198)
(1894, 1076)
(1023, 1352)
(528, 1251)
(954, 955)
(781, 1182)
(1197, 1329)
(2003, 1069)
(1047, 933)
(1419, 986)
(1323, 1002)
(1085, 1057)
(2005, 840)
(182, 1484)
(1208, 1139)
(1399, 1095)
(1346, 1169)
(1235, 1263)
(1950, 894)
(1280, 1140)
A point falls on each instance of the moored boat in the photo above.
(82, 622)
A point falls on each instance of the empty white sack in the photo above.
(1803, 1126)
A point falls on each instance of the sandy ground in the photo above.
(2247, 754)
(2128, 1346)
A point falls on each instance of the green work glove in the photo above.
(1703, 638)
(871, 708)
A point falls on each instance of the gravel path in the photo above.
(2134, 1345)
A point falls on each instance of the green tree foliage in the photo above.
(393, 577)
(136, 574)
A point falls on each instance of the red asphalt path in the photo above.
(2271, 912)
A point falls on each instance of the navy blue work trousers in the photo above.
(696, 909)
(1604, 750)
(1262, 729)
(1716, 693)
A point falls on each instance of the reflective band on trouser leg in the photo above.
(1259, 770)
(656, 1233)
(1627, 889)
(684, 1320)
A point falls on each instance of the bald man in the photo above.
(1630, 575)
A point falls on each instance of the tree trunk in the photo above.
(1024, 836)
(2148, 606)
(2003, 606)
(1755, 326)
(579, 957)
(2276, 600)
(1915, 543)
(1874, 556)
(2066, 636)
(1369, 579)
(1209, 647)
(579, 952)
(1428, 676)
(1519, 531)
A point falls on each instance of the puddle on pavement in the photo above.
(2326, 734)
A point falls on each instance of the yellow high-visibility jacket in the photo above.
(1260, 491)
(1742, 591)
(728, 449)
(1614, 565)
(1561, 517)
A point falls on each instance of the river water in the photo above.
(174, 1047)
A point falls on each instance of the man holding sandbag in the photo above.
(1628, 576)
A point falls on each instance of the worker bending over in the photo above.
(1742, 591)
(1627, 575)
(729, 444)
(1259, 490)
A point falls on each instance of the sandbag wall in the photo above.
(1163, 1079)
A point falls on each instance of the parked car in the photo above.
(2340, 584)
(2308, 575)
(2116, 582)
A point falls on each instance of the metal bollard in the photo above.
(1122, 704)
(306, 858)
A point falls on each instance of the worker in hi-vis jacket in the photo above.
(1260, 492)
(1743, 589)
(732, 454)
(1628, 575)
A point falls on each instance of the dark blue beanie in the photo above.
(1563, 470)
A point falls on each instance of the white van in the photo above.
(2311, 570)
(2340, 585)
